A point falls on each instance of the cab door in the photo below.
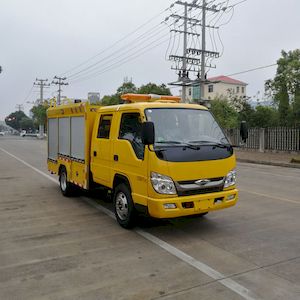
(130, 158)
(101, 151)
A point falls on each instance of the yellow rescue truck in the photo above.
(158, 156)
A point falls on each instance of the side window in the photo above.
(104, 127)
(131, 130)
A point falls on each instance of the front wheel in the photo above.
(124, 207)
(66, 187)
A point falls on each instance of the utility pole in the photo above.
(203, 51)
(42, 84)
(192, 60)
(19, 107)
(59, 81)
(184, 60)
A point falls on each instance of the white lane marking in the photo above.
(267, 173)
(29, 166)
(269, 196)
(202, 267)
(268, 169)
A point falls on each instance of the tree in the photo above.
(13, 120)
(265, 116)
(241, 105)
(296, 107)
(126, 87)
(246, 113)
(39, 113)
(111, 100)
(129, 87)
(225, 114)
(152, 88)
(283, 88)
(282, 99)
(27, 124)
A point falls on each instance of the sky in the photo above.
(44, 38)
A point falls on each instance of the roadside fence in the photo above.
(270, 139)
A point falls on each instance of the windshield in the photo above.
(185, 126)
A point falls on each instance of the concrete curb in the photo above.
(269, 163)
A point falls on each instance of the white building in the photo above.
(219, 86)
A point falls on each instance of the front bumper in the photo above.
(201, 203)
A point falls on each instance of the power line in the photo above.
(142, 36)
(235, 4)
(118, 41)
(246, 71)
(114, 62)
(123, 51)
(92, 69)
(131, 45)
(122, 62)
(27, 96)
(96, 70)
(251, 70)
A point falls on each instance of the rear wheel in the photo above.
(124, 207)
(67, 188)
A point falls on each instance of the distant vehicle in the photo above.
(157, 156)
(23, 133)
(2, 133)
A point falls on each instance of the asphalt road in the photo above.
(52, 247)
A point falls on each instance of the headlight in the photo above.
(230, 179)
(163, 184)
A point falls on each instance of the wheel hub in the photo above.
(63, 181)
(122, 206)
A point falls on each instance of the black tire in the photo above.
(197, 215)
(202, 214)
(124, 207)
(66, 187)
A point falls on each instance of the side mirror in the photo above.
(148, 133)
(244, 131)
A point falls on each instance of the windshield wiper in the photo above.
(168, 142)
(210, 143)
(194, 147)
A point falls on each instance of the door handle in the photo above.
(116, 157)
(95, 153)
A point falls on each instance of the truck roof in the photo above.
(81, 108)
(145, 105)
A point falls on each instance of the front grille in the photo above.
(193, 181)
(200, 191)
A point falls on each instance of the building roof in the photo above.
(226, 79)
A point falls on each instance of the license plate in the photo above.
(202, 204)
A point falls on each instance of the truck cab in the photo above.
(161, 157)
